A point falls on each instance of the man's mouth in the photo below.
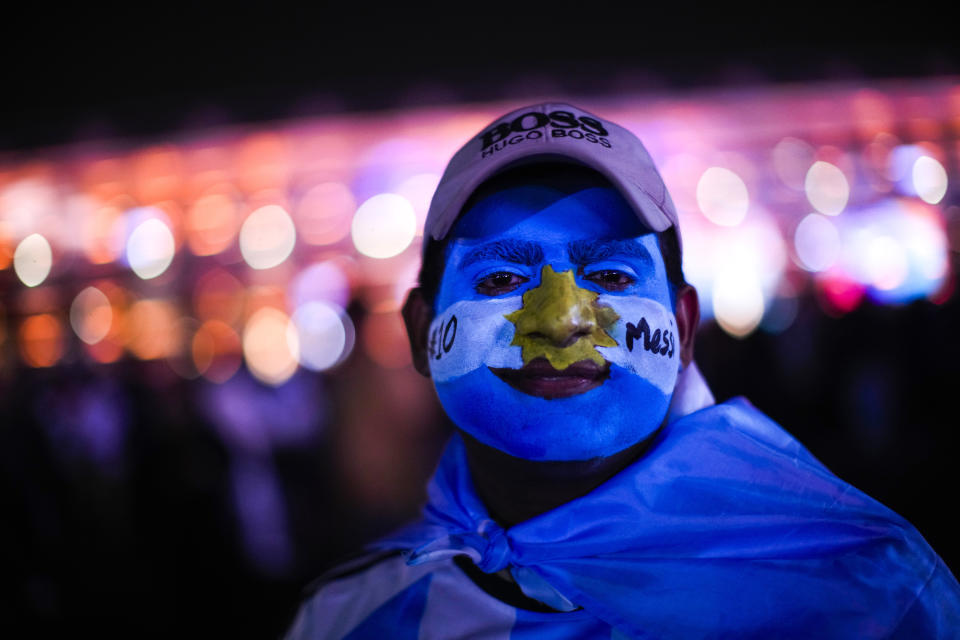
(539, 378)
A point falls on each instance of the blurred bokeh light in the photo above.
(33, 259)
(827, 188)
(270, 348)
(384, 226)
(722, 196)
(929, 179)
(150, 248)
(817, 242)
(331, 223)
(41, 340)
(323, 333)
(91, 315)
(267, 237)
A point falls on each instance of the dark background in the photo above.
(872, 394)
(122, 69)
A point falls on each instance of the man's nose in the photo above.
(561, 312)
(567, 322)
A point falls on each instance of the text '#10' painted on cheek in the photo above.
(660, 343)
(442, 337)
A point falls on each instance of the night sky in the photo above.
(87, 72)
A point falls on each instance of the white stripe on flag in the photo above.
(457, 608)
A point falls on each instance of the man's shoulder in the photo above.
(746, 464)
(737, 423)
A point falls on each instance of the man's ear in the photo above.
(688, 318)
(417, 315)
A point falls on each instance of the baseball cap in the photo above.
(552, 131)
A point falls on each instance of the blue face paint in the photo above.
(554, 337)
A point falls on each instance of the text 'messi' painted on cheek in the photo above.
(561, 322)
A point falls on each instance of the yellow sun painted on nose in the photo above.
(561, 322)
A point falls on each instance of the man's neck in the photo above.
(514, 489)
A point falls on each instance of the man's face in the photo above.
(554, 336)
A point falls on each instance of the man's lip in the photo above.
(539, 378)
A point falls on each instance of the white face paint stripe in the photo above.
(646, 336)
(470, 334)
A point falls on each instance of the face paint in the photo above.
(472, 334)
(646, 338)
(551, 315)
(558, 367)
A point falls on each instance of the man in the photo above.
(594, 489)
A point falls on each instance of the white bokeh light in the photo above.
(267, 237)
(323, 333)
(91, 315)
(150, 248)
(929, 179)
(25, 206)
(737, 301)
(384, 226)
(886, 263)
(827, 188)
(33, 260)
(817, 242)
(722, 196)
(754, 248)
(926, 247)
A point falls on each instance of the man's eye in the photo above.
(500, 282)
(610, 279)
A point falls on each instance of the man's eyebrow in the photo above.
(584, 252)
(516, 251)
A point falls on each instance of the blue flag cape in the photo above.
(727, 527)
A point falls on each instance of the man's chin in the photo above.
(539, 378)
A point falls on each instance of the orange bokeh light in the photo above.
(105, 351)
(158, 174)
(267, 348)
(263, 162)
(99, 242)
(265, 296)
(106, 179)
(152, 329)
(7, 246)
(41, 340)
(219, 296)
(212, 223)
